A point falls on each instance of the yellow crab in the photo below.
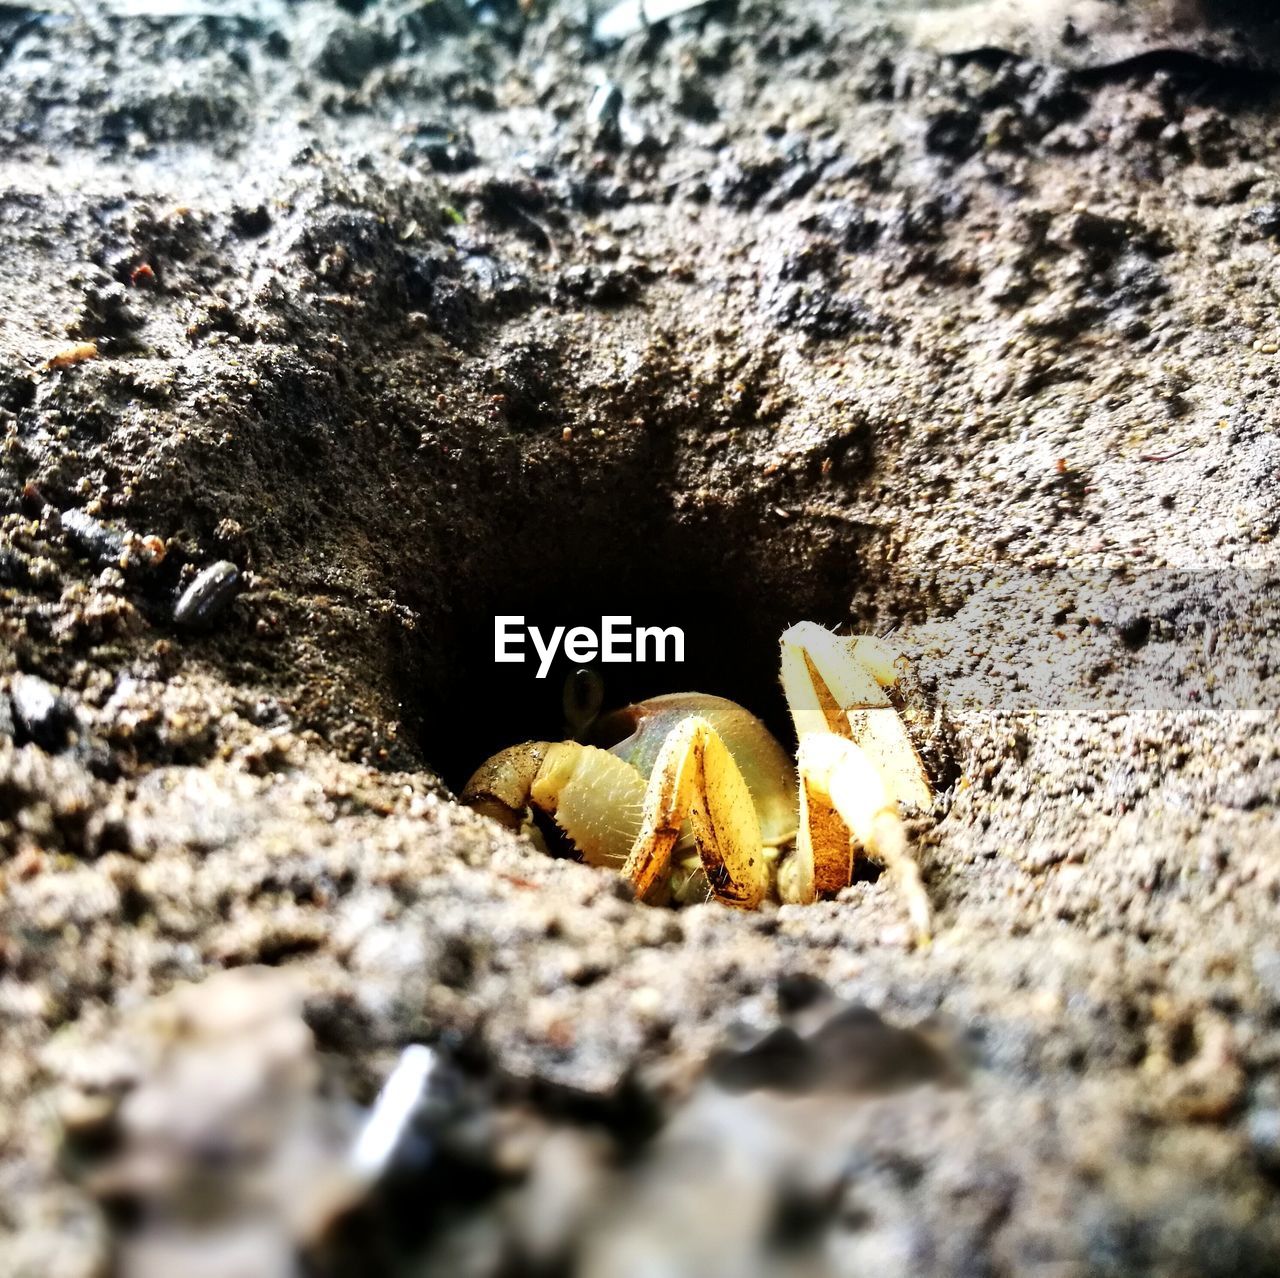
(698, 796)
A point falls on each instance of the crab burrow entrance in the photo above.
(562, 476)
(564, 523)
(729, 590)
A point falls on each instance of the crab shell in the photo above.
(765, 766)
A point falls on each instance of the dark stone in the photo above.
(14, 570)
(1134, 629)
(798, 991)
(250, 223)
(743, 185)
(208, 596)
(445, 148)
(849, 225)
(94, 538)
(695, 102)
(781, 1061)
(925, 221)
(604, 286)
(352, 52)
(1137, 280)
(17, 390)
(820, 313)
(1097, 234)
(105, 311)
(1265, 219)
(360, 237)
(854, 1050)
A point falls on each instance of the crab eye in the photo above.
(583, 695)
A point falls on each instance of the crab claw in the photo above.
(594, 797)
(500, 787)
(838, 684)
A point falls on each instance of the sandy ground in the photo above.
(330, 330)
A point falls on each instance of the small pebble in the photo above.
(603, 113)
(208, 596)
(14, 567)
(92, 536)
(40, 713)
(647, 1001)
(605, 104)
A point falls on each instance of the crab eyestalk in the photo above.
(581, 700)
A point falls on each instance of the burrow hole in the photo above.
(729, 585)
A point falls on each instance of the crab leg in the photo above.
(856, 763)
(838, 779)
(695, 777)
(614, 819)
(837, 685)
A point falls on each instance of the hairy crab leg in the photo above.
(838, 685)
(838, 778)
(695, 777)
(596, 799)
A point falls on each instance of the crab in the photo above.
(697, 798)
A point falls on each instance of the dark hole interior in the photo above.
(496, 705)
(711, 583)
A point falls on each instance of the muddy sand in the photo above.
(328, 331)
